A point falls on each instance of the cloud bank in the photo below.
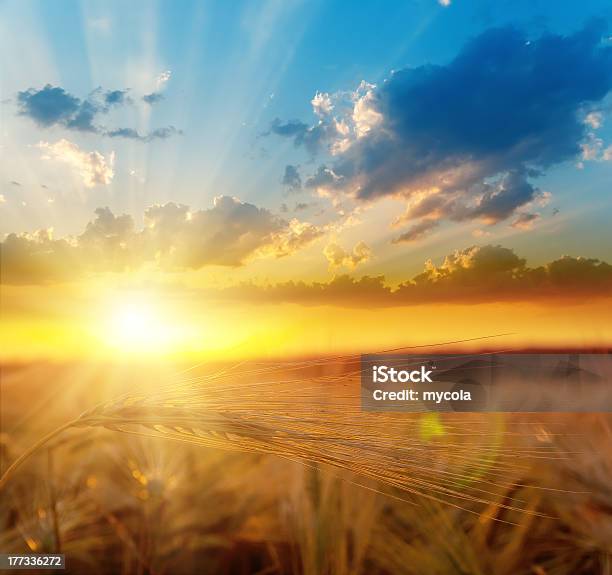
(472, 275)
(230, 233)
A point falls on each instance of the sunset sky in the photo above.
(277, 178)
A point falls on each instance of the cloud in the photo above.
(153, 98)
(93, 167)
(496, 273)
(174, 237)
(131, 134)
(292, 179)
(312, 138)
(291, 238)
(594, 120)
(227, 234)
(160, 84)
(292, 128)
(322, 104)
(33, 258)
(162, 79)
(325, 178)
(498, 202)
(49, 106)
(301, 206)
(525, 221)
(472, 275)
(53, 106)
(416, 232)
(337, 256)
(341, 291)
(113, 97)
(464, 140)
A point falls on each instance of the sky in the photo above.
(255, 178)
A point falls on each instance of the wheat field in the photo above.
(272, 467)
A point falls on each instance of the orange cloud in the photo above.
(473, 275)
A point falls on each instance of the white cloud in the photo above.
(93, 167)
(365, 114)
(322, 104)
(162, 79)
(594, 120)
(444, 3)
(591, 148)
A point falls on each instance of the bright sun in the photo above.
(140, 326)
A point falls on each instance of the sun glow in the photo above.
(141, 326)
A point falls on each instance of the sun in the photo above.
(138, 325)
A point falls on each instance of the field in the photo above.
(272, 468)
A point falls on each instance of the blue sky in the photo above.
(225, 72)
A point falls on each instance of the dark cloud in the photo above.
(49, 106)
(153, 98)
(465, 140)
(301, 206)
(131, 134)
(115, 97)
(504, 104)
(230, 233)
(292, 179)
(83, 120)
(325, 177)
(53, 106)
(312, 138)
(495, 273)
(128, 133)
(499, 202)
(341, 291)
(290, 129)
(416, 231)
(163, 133)
(473, 275)
(525, 220)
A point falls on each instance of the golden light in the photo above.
(142, 325)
